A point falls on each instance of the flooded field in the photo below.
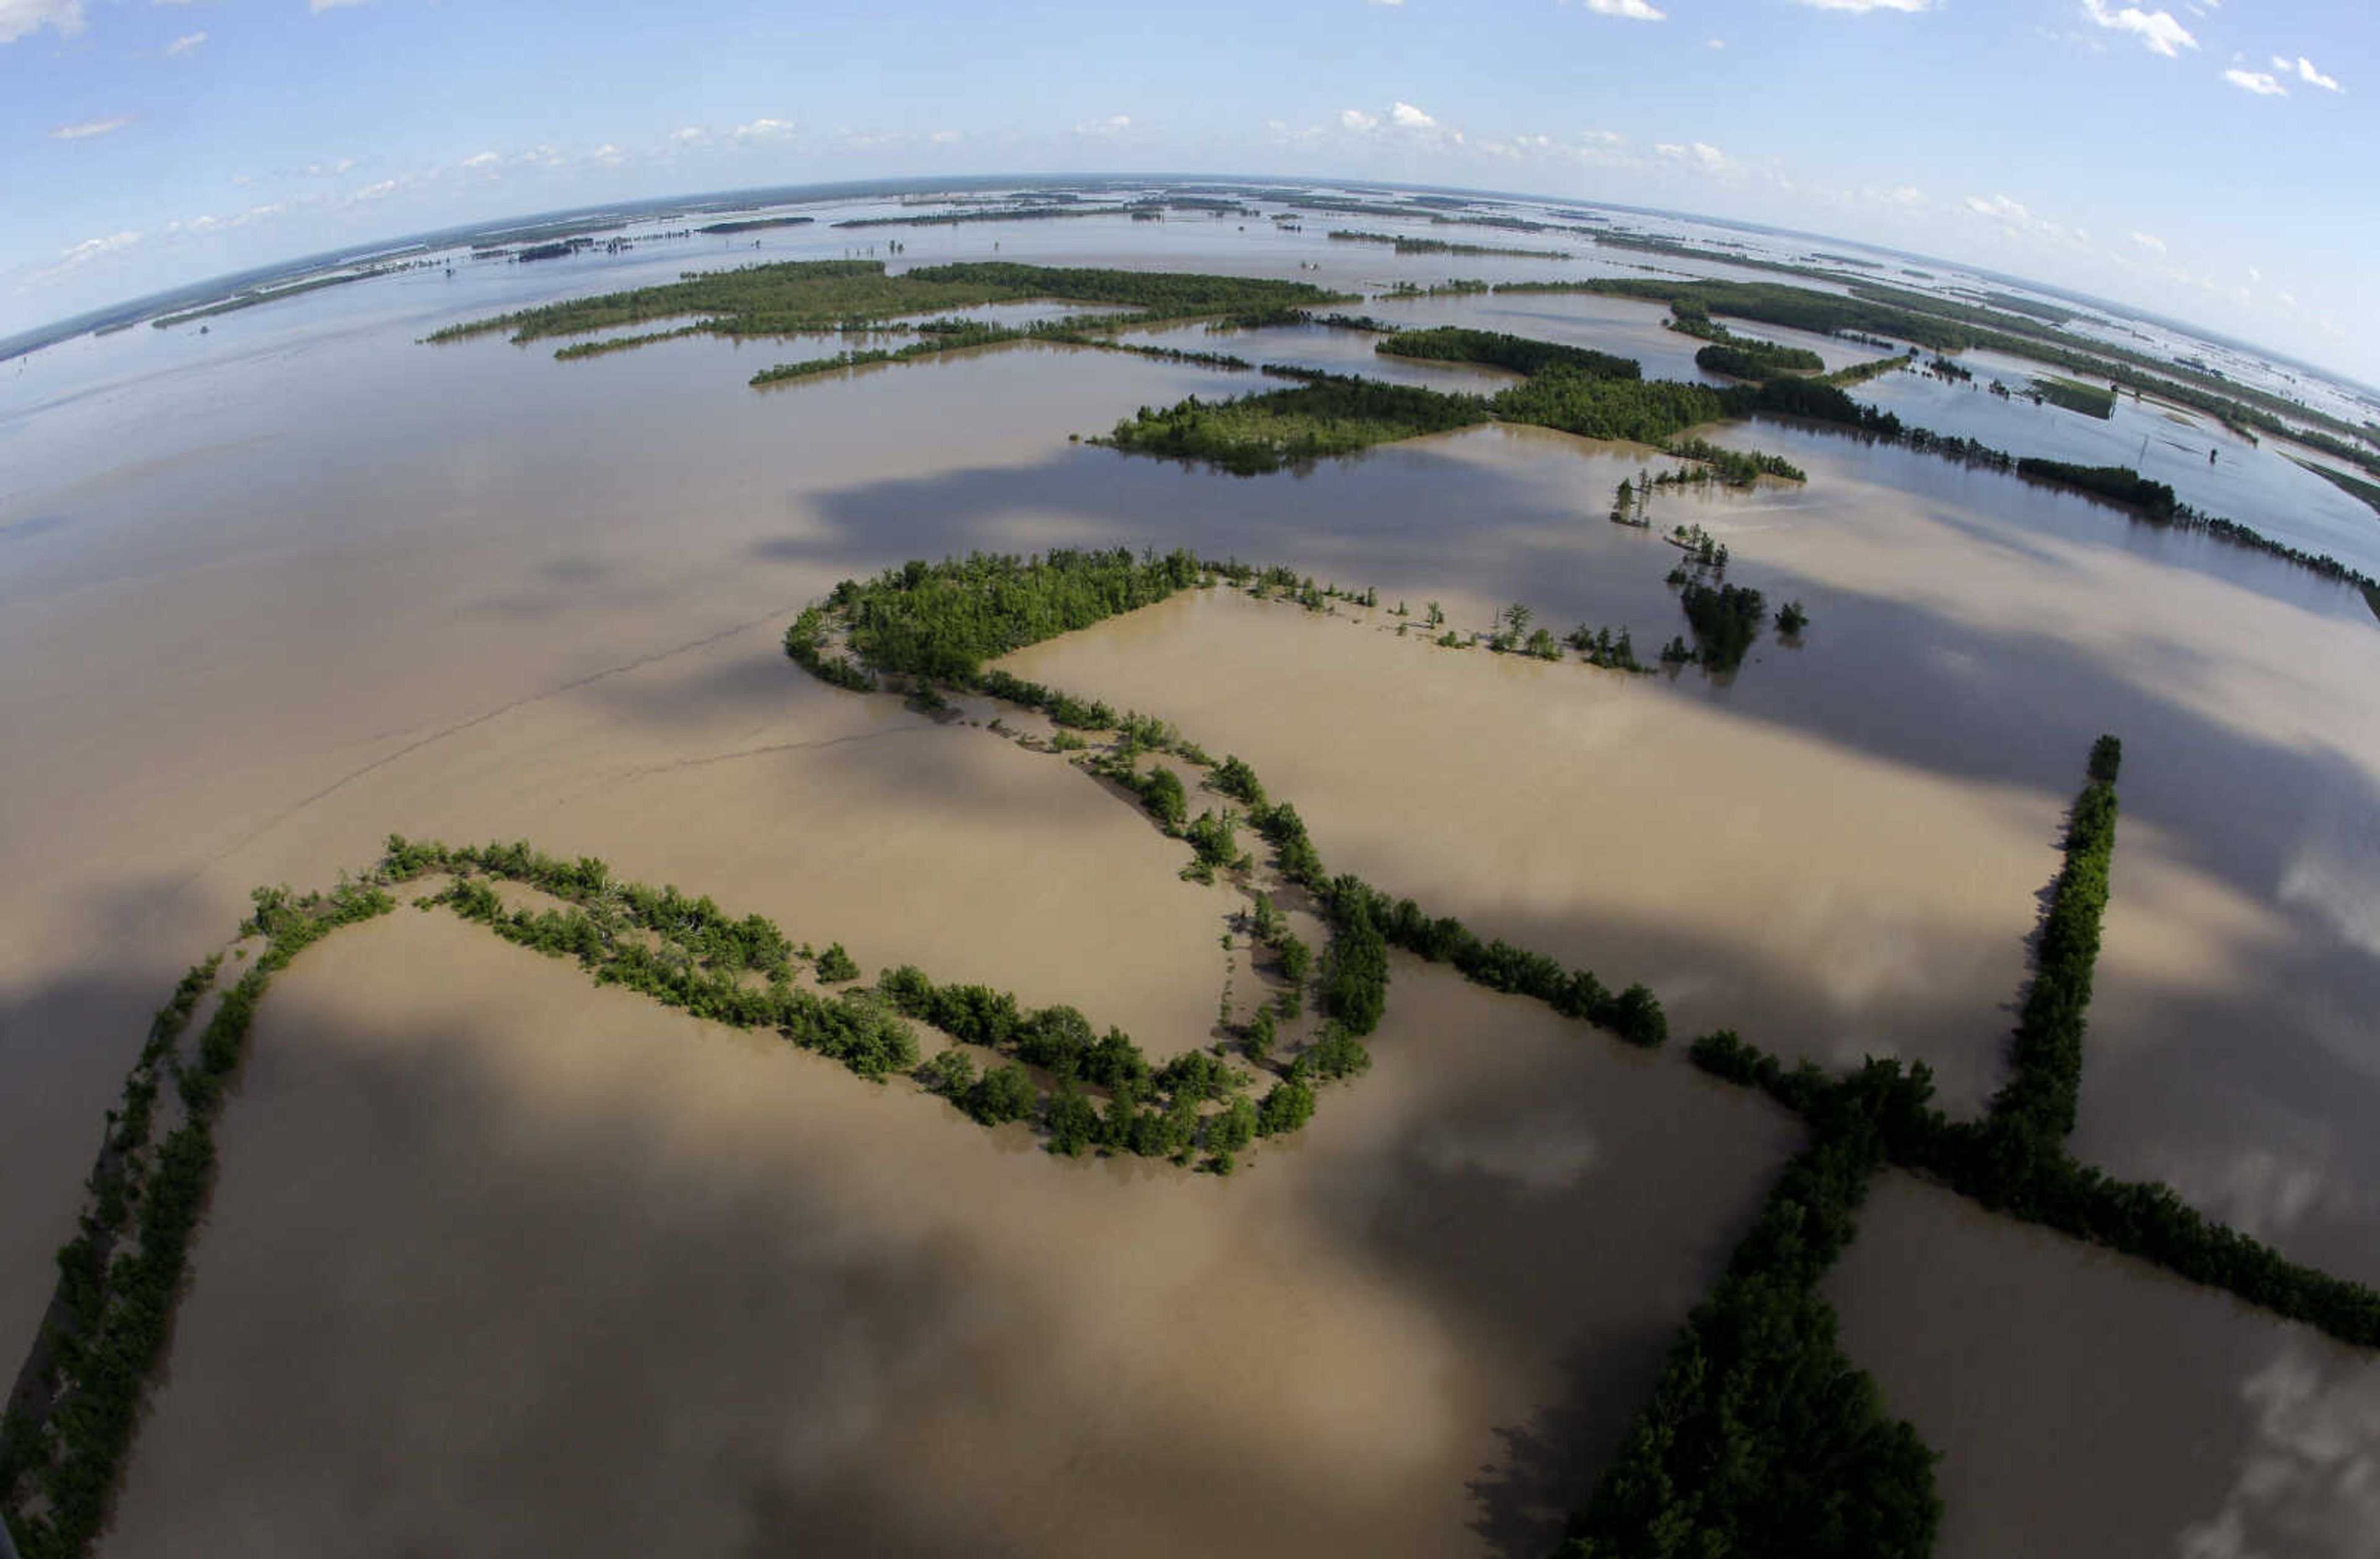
(502, 1261)
(1753, 877)
(2166, 444)
(2085, 1404)
(279, 591)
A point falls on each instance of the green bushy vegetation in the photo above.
(1726, 620)
(1740, 358)
(2142, 1219)
(1796, 308)
(1730, 467)
(961, 335)
(1762, 1438)
(2091, 400)
(2014, 1160)
(800, 297)
(1633, 1015)
(1871, 311)
(96, 1360)
(1330, 415)
(945, 619)
(2118, 484)
(1518, 353)
(1407, 245)
(683, 953)
(1592, 407)
(2036, 1110)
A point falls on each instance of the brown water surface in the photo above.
(2085, 1404)
(502, 1263)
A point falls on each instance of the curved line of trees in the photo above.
(65, 1437)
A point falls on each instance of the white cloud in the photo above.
(945, 138)
(89, 128)
(1697, 154)
(2149, 241)
(686, 135)
(83, 253)
(1715, 44)
(765, 130)
(2307, 1480)
(2014, 216)
(609, 156)
(1403, 121)
(1861, 7)
(482, 160)
(19, 18)
(183, 44)
(318, 6)
(2308, 74)
(374, 191)
(2157, 32)
(2257, 82)
(1107, 128)
(91, 248)
(1635, 10)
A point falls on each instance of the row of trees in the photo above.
(792, 297)
(1870, 312)
(2142, 1219)
(1326, 415)
(854, 1028)
(2014, 1160)
(2119, 485)
(943, 620)
(1406, 245)
(2034, 1112)
(1633, 1015)
(1519, 354)
(1742, 358)
(1762, 1438)
(1732, 468)
(65, 1446)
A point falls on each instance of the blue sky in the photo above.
(2211, 161)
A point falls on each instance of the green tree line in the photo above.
(2036, 1110)
(1762, 1438)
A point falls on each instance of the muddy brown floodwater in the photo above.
(2085, 1404)
(492, 1248)
(502, 1262)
